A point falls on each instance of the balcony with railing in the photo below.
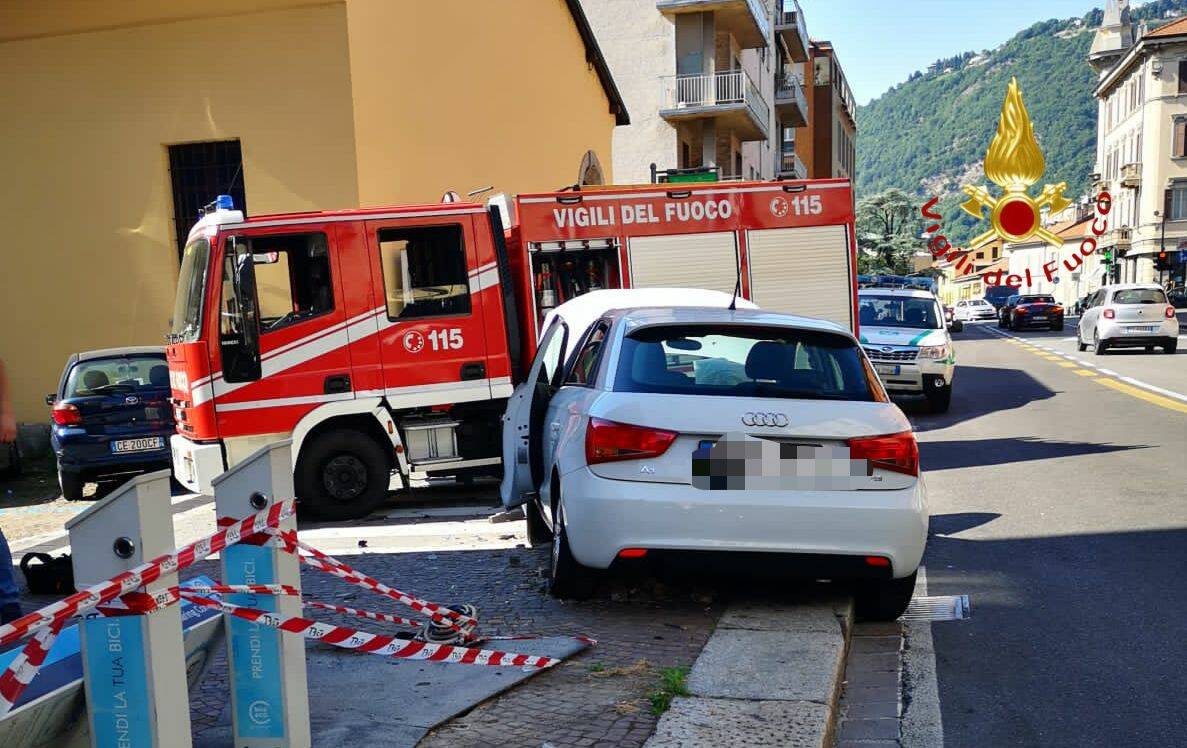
(791, 166)
(747, 20)
(729, 97)
(791, 30)
(790, 102)
(1131, 174)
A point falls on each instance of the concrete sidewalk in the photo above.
(770, 675)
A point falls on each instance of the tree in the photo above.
(888, 225)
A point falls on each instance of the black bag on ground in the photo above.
(53, 576)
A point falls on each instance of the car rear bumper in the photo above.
(1115, 333)
(604, 516)
(89, 455)
(195, 465)
(1054, 320)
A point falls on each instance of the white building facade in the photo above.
(1141, 150)
(709, 83)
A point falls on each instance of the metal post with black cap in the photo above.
(269, 691)
(133, 665)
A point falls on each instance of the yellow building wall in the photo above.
(88, 257)
(464, 95)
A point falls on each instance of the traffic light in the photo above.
(1106, 257)
(1162, 260)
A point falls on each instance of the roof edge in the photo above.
(593, 55)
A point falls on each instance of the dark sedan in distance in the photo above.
(111, 416)
(1031, 310)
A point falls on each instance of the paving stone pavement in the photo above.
(599, 698)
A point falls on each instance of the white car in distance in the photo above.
(706, 436)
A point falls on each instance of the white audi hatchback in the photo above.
(710, 436)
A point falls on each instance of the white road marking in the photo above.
(1102, 370)
(921, 724)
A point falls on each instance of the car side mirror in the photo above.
(51, 398)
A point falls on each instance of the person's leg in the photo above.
(10, 594)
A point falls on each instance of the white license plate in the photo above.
(1040, 318)
(887, 369)
(1140, 330)
(144, 444)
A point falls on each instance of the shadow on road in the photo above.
(978, 390)
(959, 453)
(1060, 625)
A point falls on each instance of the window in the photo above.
(1178, 202)
(105, 376)
(424, 271)
(917, 312)
(743, 361)
(1182, 76)
(191, 286)
(1179, 146)
(292, 278)
(1139, 296)
(199, 173)
(585, 364)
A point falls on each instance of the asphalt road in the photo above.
(1057, 499)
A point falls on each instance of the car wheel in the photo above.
(1170, 346)
(884, 600)
(342, 474)
(566, 577)
(72, 485)
(939, 398)
(1098, 346)
(538, 532)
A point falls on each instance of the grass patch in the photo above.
(672, 683)
(597, 667)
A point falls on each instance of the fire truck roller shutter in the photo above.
(685, 261)
(802, 271)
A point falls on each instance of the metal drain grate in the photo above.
(938, 608)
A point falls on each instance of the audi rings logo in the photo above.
(764, 419)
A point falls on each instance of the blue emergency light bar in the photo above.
(222, 202)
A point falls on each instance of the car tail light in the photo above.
(632, 553)
(1020, 310)
(66, 414)
(1109, 314)
(895, 452)
(1057, 308)
(877, 561)
(607, 441)
(1170, 312)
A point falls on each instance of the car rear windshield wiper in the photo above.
(113, 387)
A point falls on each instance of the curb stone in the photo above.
(770, 674)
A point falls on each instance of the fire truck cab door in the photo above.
(432, 338)
(523, 422)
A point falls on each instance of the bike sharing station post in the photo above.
(269, 692)
(134, 664)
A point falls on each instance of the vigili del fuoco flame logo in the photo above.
(1014, 163)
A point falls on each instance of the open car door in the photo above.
(523, 421)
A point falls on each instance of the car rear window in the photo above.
(1036, 299)
(1139, 296)
(744, 361)
(102, 376)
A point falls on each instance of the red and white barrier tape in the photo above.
(318, 560)
(386, 617)
(21, 671)
(387, 646)
(145, 573)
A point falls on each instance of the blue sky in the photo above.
(881, 42)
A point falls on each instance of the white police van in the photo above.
(903, 331)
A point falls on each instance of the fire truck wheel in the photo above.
(342, 475)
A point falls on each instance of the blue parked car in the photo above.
(111, 416)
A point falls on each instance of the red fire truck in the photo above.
(384, 342)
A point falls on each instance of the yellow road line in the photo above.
(1084, 372)
(1068, 364)
(1141, 394)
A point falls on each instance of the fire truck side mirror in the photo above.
(241, 352)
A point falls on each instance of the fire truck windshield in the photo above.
(191, 286)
